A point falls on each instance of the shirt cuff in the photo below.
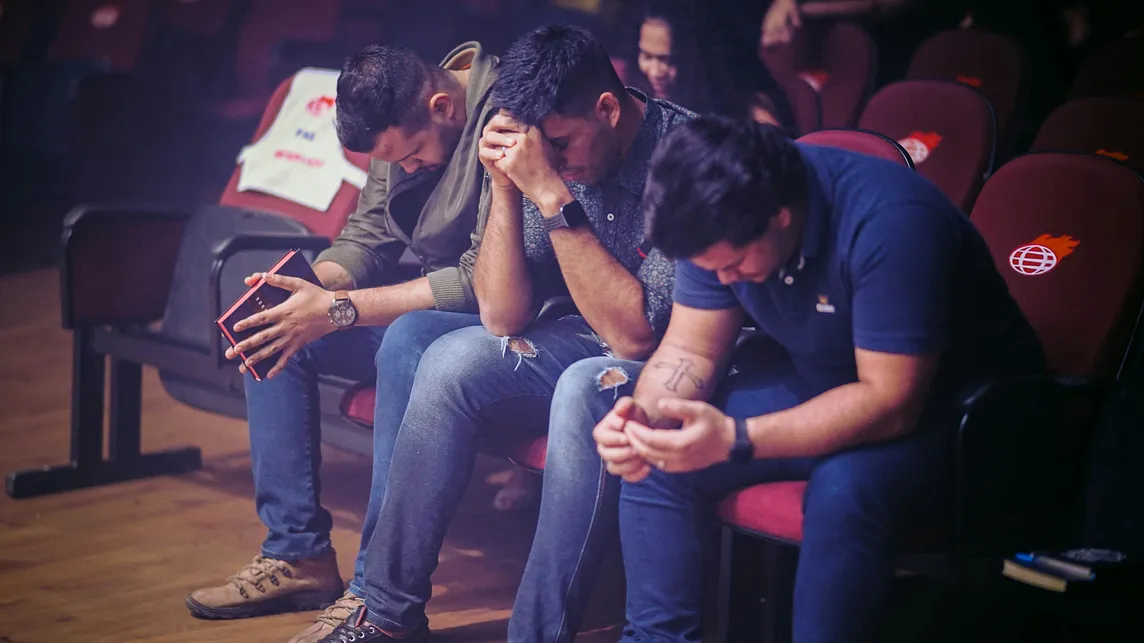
(359, 267)
(450, 291)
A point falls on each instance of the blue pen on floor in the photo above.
(1073, 572)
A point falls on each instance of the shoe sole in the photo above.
(296, 602)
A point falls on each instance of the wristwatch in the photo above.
(571, 215)
(342, 312)
(743, 451)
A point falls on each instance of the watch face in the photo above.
(574, 214)
(343, 313)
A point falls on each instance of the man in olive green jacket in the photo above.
(421, 124)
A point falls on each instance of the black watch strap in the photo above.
(743, 451)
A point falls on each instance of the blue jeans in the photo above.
(578, 505)
(859, 505)
(469, 386)
(285, 440)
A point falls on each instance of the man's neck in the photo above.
(632, 112)
(461, 86)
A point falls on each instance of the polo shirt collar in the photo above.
(816, 222)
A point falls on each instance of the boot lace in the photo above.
(342, 608)
(260, 569)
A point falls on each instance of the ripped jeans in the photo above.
(469, 387)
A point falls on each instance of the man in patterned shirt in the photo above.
(566, 162)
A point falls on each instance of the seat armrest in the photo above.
(117, 263)
(1020, 447)
(227, 248)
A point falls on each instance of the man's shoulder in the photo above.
(672, 113)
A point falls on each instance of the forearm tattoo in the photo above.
(677, 372)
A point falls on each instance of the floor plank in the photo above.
(114, 563)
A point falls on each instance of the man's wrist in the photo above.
(552, 200)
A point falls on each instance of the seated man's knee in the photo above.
(406, 339)
(844, 495)
(596, 382)
(458, 357)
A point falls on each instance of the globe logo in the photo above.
(919, 145)
(1042, 254)
(1033, 259)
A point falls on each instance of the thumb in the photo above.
(681, 409)
(288, 283)
(623, 407)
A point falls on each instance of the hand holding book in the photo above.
(284, 310)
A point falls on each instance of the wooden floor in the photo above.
(115, 563)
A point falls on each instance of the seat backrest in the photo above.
(861, 141)
(996, 66)
(270, 23)
(1066, 231)
(202, 18)
(836, 61)
(1114, 69)
(328, 223)
(947, 129)
(848, 60)
(100, 30)
(1111, 126)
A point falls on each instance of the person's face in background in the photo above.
(655, 57)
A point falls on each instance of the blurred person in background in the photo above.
(683, 56)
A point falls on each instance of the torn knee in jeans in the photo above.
(520, 346)
(611, 379)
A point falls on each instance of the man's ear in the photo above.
(608, 109)
(441, 108)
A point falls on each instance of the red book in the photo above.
(263, 296)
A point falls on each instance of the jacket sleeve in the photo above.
(453, 286)
(365, 247)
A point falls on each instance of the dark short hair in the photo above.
(719, 179)
(555, 69)
(381, 87)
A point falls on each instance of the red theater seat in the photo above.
(1110, 126)
(994, 65)
(1114, 69)
(947, 128)
(864, 142)
(836, 61)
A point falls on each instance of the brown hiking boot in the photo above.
(330, 619)
(269, 586)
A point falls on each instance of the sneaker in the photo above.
(330, 619)
(270, 586)
(355, 630)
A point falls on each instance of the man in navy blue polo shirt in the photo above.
(877, 301)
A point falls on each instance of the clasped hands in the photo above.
(291, 325)
(519, 156)
(630, 448)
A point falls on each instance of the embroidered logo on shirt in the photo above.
(1042, 254)
(919, 145)
(824, 305)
